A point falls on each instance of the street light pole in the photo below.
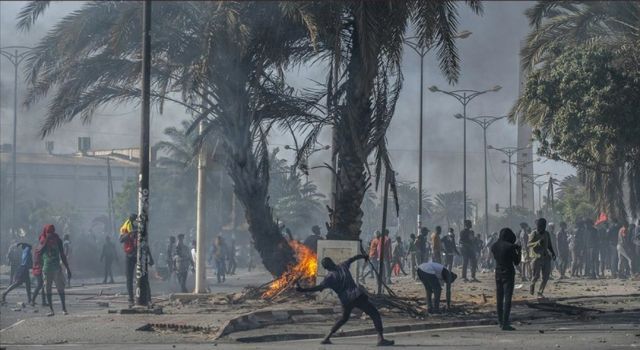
(484, 121)
(16, 57)
(464, 97)
(422, 51)
(509, 152)
(143, 291)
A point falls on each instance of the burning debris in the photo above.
(305, 269)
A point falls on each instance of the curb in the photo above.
(366, 331)
(260, 319)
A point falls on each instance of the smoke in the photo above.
(489, 57)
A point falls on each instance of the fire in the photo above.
(305, 268)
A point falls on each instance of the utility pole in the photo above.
(422, 50)
(201, 267)
(112, 223)
(509, 152)
(464, 97)
(143, 291)
(16, 57)
(484, 121)
(385, 198)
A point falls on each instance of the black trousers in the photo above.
(108, 271)
(362, 303)
(448, 262)
(182, 280)
(131, 272)
(504, 294)
(469, 258)
(433, 288)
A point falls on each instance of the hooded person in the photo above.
(507, 255)
(541, 249)
(50, 254)
(351, 296)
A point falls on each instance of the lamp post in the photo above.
(464, 97)
(532, 178)
(422, 50)
(484, 121)
(520, 167)
(143, 290)
(509, 152)
(15, 55)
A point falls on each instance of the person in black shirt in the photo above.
(467, 248)
(507, 255)
(351, 296)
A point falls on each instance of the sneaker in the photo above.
(64, 312)
(326, 341)
(508, 328)
(386, 342)
(50, 314)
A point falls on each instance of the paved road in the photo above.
(82, 297)
(611, 332)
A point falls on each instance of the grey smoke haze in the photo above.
(489, 57)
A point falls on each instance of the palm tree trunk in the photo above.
(352, 143)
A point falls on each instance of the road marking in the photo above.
(13, 325)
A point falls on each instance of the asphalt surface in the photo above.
(611, 332)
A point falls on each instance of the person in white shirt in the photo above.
(431, 274)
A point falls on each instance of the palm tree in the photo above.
(447, 207)
(362, 42)
(407, 197)
(220, 61)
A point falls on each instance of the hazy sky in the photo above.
(489, 57)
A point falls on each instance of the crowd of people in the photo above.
(588, 249)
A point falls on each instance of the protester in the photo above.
(171, 251)
(66, 245)
(540, 246)
(421, 245)
(576, 246)
(412, 254)
(220, 256)
(450, 249)
(50, 254)
(231, 256)
(430, 274)
(507, 255)
(467, 248)
(182, 261)
(398, 255)
(194, 253)
(107, 256)
(373, 254)
(129, 240)
(624, 259)
(22, 274)
(14, 255)
(312, 240)
(523, 241)
(385, 243)
(563, 249)
(436, 245)
(37, 273)
(351, 296)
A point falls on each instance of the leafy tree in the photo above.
(363, 44)
(584, 108)
(448, 207)
(220, 61)
(297, 203)
(573, 201)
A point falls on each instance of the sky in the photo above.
(489, 57)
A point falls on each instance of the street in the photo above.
(621, 332)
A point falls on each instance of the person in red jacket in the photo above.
(37, 273)
(51, 253)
